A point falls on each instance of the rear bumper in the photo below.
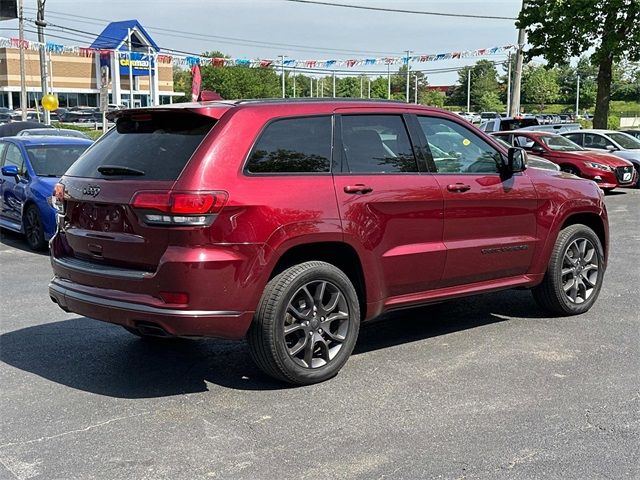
(114, 306)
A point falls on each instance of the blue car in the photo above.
(31, 166)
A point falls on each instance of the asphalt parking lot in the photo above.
(485, 387)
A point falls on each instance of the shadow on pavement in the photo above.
(17, 241)
(105, 359)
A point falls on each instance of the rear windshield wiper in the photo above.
(118, 170)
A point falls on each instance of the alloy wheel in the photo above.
(580, 270)
(316, 324)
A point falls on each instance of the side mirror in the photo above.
(537, 149)
(10, 171)
(611, 148)
(516, 161)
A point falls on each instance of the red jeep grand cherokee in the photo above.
(290, 222)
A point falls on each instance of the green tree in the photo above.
(559, 29)
(540, 85)
(485, 89)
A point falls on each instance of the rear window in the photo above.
(53, 160)
(157, 144)
(515, 124)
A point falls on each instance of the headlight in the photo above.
(600, 166)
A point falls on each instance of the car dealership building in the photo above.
(76, 77)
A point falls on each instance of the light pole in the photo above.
(282, 65)
(388, 81)
(130, 69)
(415, 93)
(578, 97)
(334, 84)
(408, 52)
(469, 90)
(509, 84)
(23, 80)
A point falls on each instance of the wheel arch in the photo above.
(591, 220)
(339, 254)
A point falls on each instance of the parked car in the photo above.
(508, 123)
(608, 171)
(5, 118)
(55, 132)
(290, 222)
(15, 127)
(533, 161)
(31, 166)
(554, 128)
(489, 115)
(634, 132)
(617, 143)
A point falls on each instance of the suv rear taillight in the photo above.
(178, 208)
(57, 199)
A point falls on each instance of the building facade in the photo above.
(77, 79)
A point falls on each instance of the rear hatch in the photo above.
(141, 157)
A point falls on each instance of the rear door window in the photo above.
(14, 157)
(155, 145)
(575, 137)
(293, 145)
(376, 144)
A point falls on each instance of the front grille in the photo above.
(621, 171)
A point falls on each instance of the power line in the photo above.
(223, 39)
(395, 10)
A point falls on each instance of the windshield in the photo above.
(53, 160)
(560, 144)
(625, 141)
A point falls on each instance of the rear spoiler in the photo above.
(208, 109)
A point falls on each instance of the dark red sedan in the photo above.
(608, 171)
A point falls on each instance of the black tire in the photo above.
(33, 229)
(607, 190)
(273, 350)
(556, 290)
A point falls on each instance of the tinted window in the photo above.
(560, 144)
(3, 146)
(53, 160)
(575, 137)
(522, 141)
(515, 124)
(14, 157)
(457, 149)
(376, 144)
(158, 144)
(596, 141)
(625, 141)
(293, 145)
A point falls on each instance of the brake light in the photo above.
(57, 199)
(179, 208)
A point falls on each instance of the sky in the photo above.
(325, 32)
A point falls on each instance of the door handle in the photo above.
(458, 187)
(358, 188)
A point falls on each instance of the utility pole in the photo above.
(517, 77)
(310, 86)
(361, 87)
(369, 88)
(388, 81)
(509, 84)
(415, 93)
(130, 69)
(578, 97)
(40, 23)
(294, 82)
(408, 53)
(321, 87)
(469, 89)
(334, 84)
(23, 80)
(150, 77)
(282, 65)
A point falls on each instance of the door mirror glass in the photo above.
(516, 160)
(10, 171)
(611, 148)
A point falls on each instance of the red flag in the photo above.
(195, 84)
